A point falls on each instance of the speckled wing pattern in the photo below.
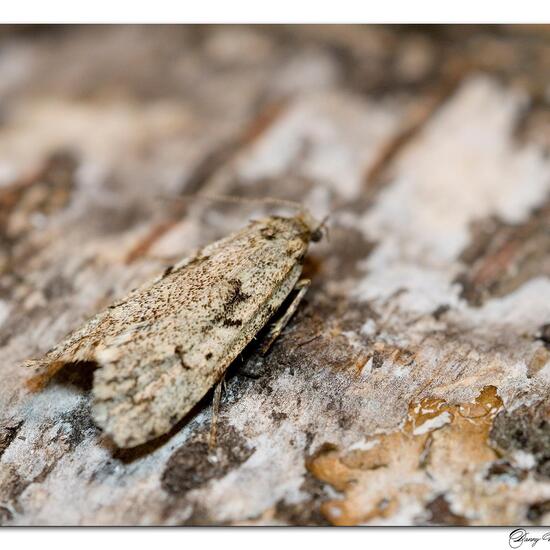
(166, 344)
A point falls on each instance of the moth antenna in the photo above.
(236, 200)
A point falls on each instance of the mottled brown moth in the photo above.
(160, 349)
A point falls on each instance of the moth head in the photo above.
(317, 229)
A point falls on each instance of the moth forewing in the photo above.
(162, 348)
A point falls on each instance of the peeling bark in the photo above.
(411, 385)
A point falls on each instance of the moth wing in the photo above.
(161, 348)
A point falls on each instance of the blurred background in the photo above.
(427, 146)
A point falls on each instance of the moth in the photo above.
(160, 349)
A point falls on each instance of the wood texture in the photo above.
(411, 386)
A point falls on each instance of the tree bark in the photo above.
(411, 385)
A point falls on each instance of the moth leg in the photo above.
(215, 412)
(301, 286)
(254, 367)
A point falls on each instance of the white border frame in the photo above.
(279, 11)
